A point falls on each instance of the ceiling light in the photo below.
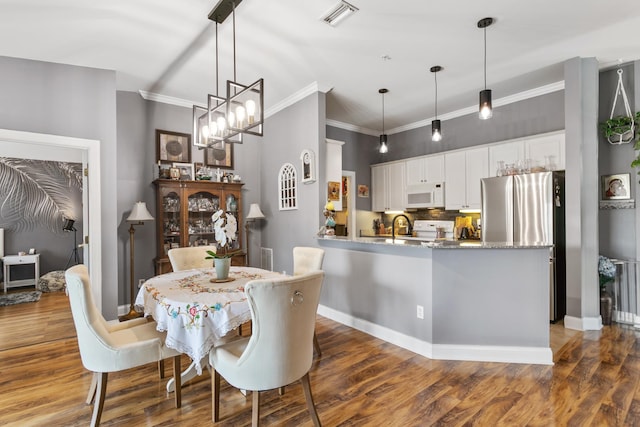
(383, 138)
(338, 13)
(485, 95)
(241, 111)
(436, 126)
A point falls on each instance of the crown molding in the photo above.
(151, 96)
(316, 87)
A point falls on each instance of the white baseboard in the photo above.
(532, 355)
(583, 323)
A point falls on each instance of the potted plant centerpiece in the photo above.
(225, 228)
(606, 273)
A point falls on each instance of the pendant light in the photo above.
(436, 126)
(383, 138)
(485, 108)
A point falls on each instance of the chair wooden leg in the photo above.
(177, 380)
(255, 412)
(161, 368)
(101, 388)
(316, 345)
(92, 388)
(307, 394)
(215, 396)
(281, 391)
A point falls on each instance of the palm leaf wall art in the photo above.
(37, 193)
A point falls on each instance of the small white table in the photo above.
(9, 260)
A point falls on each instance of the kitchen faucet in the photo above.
(393, 225)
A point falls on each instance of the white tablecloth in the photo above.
(195, 312)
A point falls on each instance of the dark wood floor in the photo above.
(358, 381)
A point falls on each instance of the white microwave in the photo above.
(425, 195)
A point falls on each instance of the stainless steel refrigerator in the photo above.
(529, 209)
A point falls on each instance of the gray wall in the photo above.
(71, 101)
(358, 153)
(286, 134)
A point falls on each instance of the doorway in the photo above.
(60, 148)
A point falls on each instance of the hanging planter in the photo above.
(620, 129)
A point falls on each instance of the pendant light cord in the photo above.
(216, 58)
(485, 58)
(383, 113)
(234, 43)
(435, 77)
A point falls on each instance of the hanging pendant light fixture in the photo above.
(486, 110)
(383, 137)
(240, 112)
(436, 126)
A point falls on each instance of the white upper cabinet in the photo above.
(463, 171)
(546, 150)
(388, 192)
(425, 169)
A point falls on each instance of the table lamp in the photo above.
(255, 213)
(138, 215)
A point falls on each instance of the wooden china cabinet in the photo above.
(184, 210)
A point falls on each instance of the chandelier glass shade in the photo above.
(240, 111)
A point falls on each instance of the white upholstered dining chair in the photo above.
(105, 347)
(191, 257)
(306, 259)
(279, 350)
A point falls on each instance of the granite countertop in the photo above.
(440, 244)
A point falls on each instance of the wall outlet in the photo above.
(141, 282)
(420, 312)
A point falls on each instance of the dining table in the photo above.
(197, 310)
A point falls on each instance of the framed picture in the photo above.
(218, 157)
(186, 171)
(363, 190)
(173, 147)
(333, 190)
(616, 187)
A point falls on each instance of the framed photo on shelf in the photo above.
(186, 171)
(173, 147)
(616, 187)
(218, 157)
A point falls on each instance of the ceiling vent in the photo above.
(338, 13)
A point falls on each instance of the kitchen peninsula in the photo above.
(479, 301)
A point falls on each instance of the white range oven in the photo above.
(431, 230)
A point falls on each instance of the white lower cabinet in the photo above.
(388, 192)
(463, 171)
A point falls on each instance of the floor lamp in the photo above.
(68, 226)
(254, 214)
(138, 215)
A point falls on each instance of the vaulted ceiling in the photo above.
(168, 47)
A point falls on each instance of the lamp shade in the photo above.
(139, 213)
(436, 130)
(68, 225)
(383, 144)
(255, 212)
(486, 110)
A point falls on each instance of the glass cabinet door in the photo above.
(201, 206)
(171, 220)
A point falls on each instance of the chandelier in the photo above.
(241, 111)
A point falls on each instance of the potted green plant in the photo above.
(225, 228)
(620, 129)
